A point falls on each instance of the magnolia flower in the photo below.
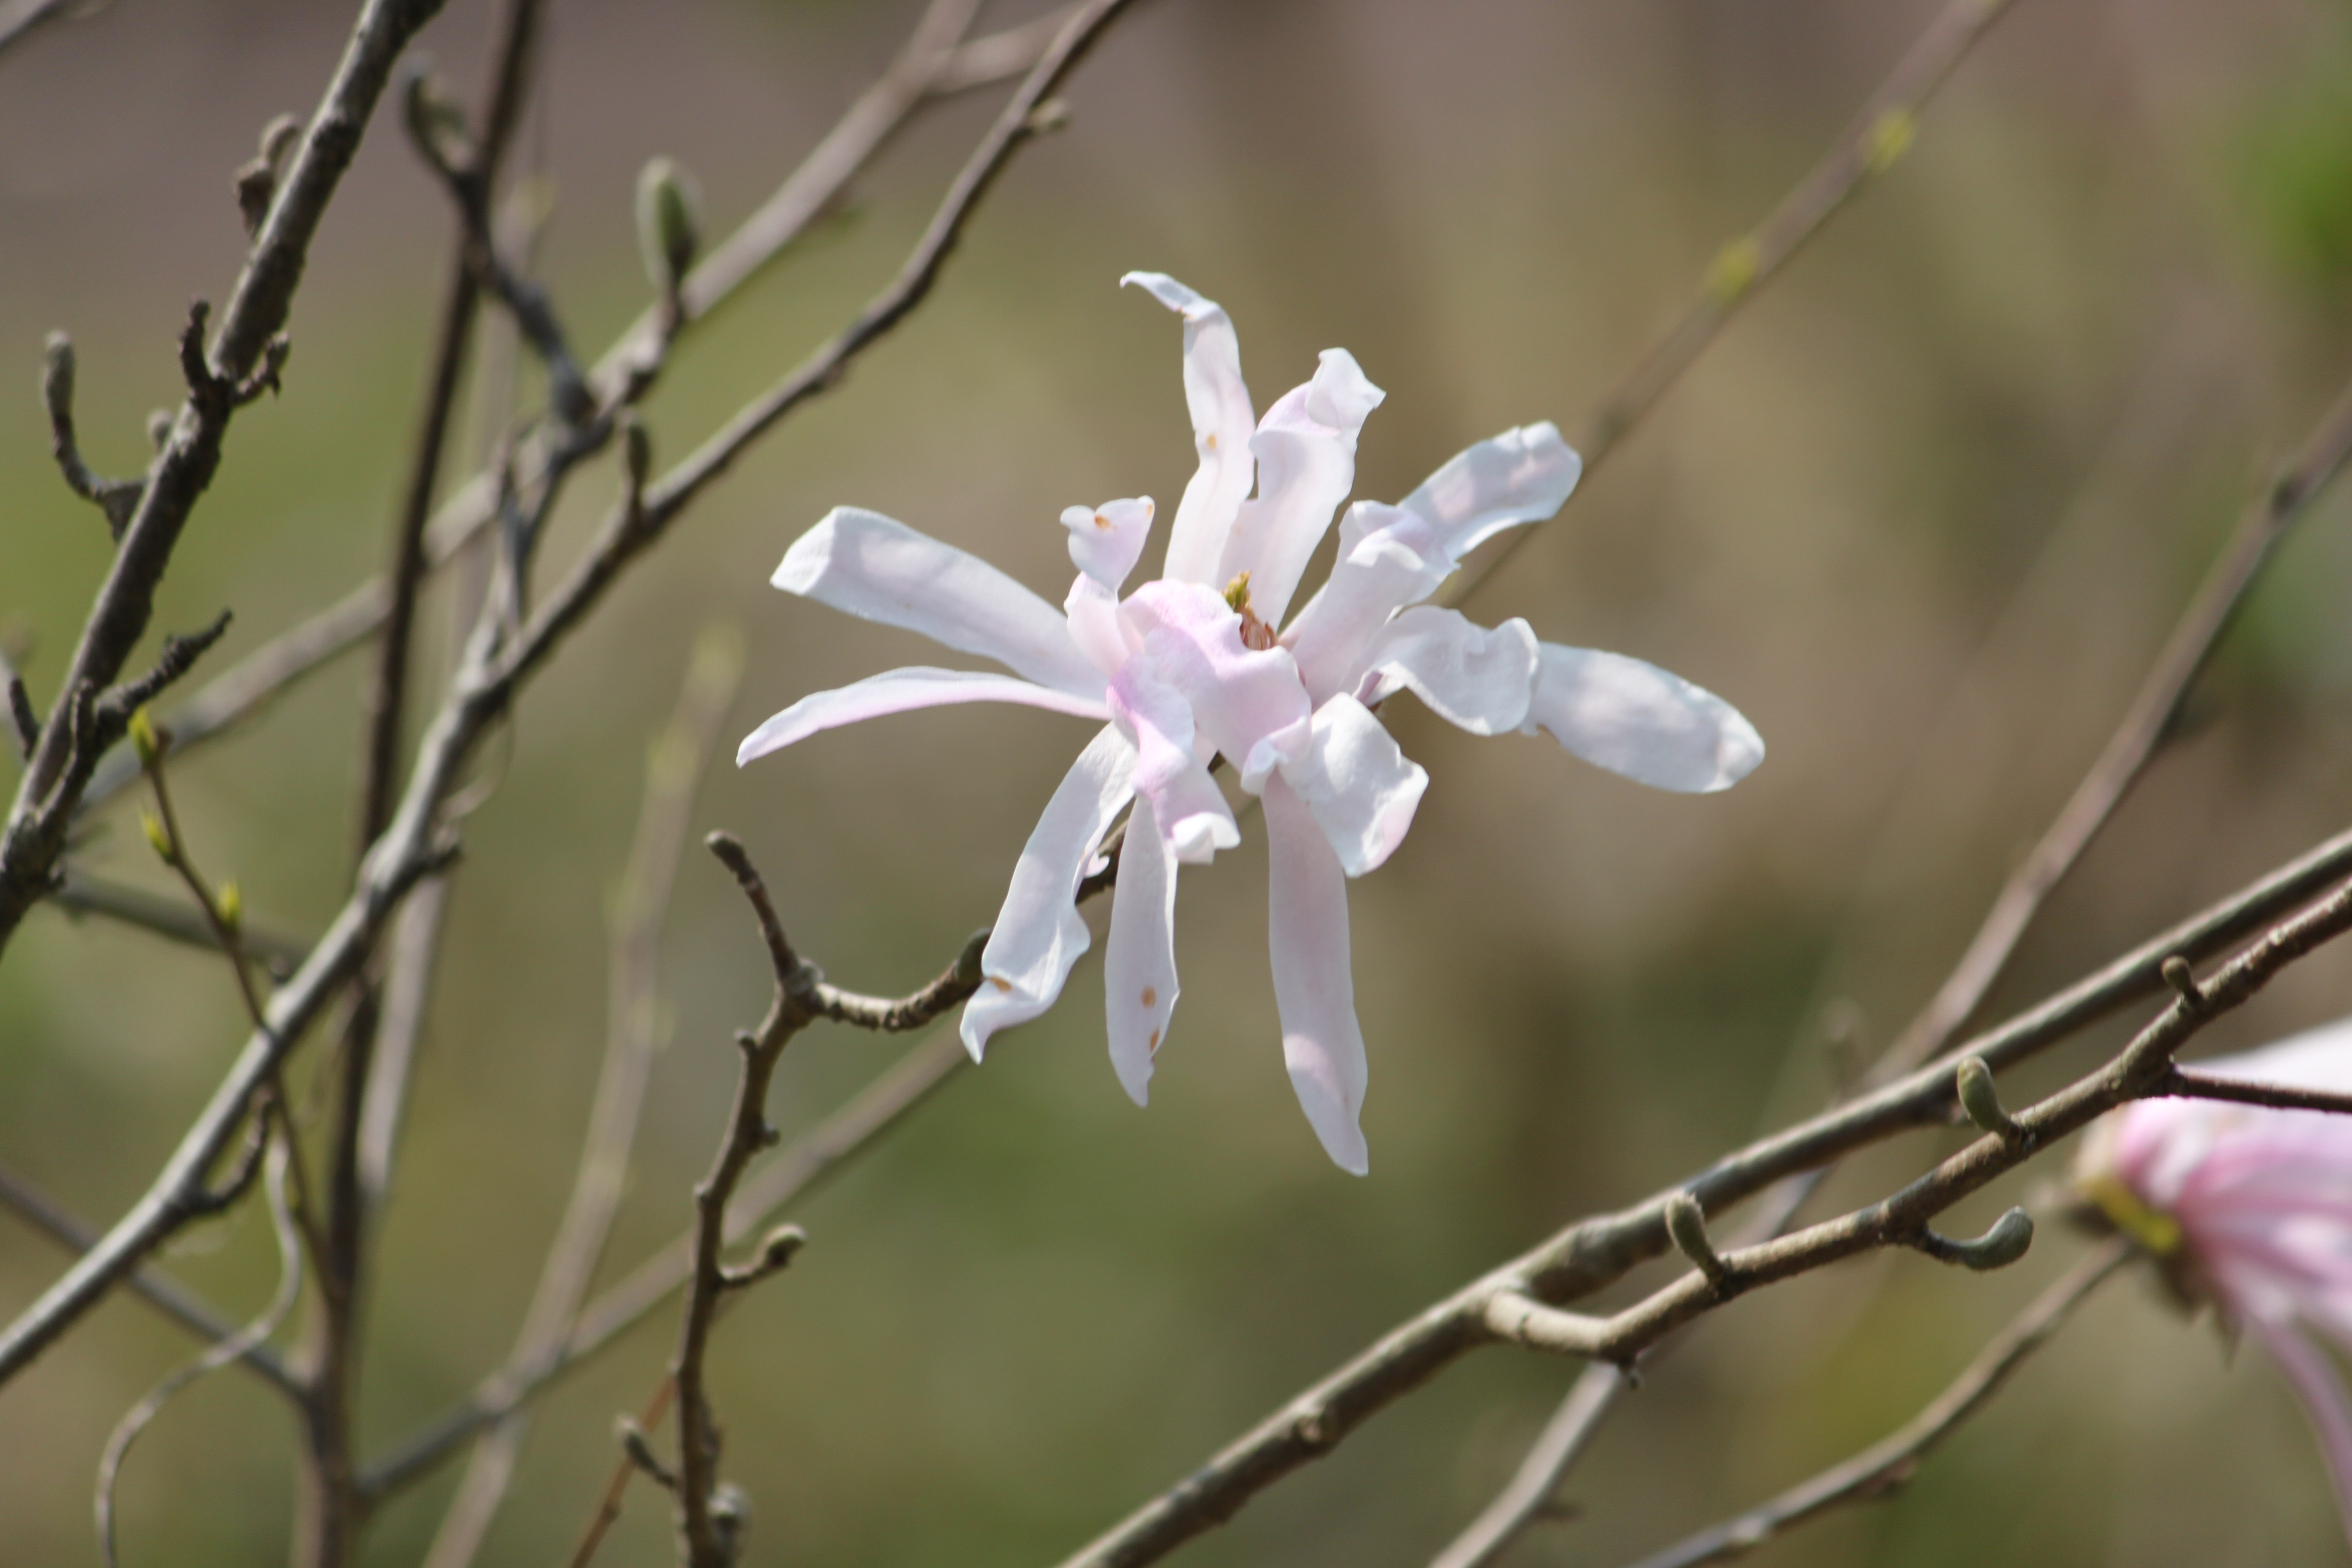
(1200, 663)
(2250, 1208)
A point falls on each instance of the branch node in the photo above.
(1980, 1100)
(2183, 981)
(640, 1451)
(1047, 118)
(256, 180)
(22, 712)
(1997, 1247)
(1686, 1227)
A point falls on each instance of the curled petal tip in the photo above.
(1186, 303)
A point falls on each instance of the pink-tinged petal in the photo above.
(1039, 934)
(1222, 422)
(1469, 675)
(1097, 627)
(1520, 476)
(2314, 1380)
(1305, 451)
(1314, 984)
(867, 565)
(1239, 696)
(1139, 963)
(1190, 809)
(901, 692)
(1389, 558)
(1357, 784)
(1635, 718)
(1107, 541)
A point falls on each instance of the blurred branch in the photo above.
(159, 1290)
(816, 1154)
(2145, 725)
(2138, 737)
(1885, 1466)
(234, 1346)
(19, 17)
(243, 358)
(674, 775)
(358, 1169)
(1518, 1303)
(488, 678)
(926, 72)
(1873, 144)
(83, 895)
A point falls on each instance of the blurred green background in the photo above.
(1923, 513)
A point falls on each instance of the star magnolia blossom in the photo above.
(1200, 663)
(2250, 1208)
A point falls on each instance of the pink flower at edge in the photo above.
(1200, 662)
(2250, 1208)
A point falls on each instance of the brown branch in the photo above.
(924, 74)
(489, 675)
(243, 358)
(1517, 1302)
(166, 1295)
(633, 1036)
(2186, 1083)
(1878, 1470)
(706, 1536)
(1877, 137)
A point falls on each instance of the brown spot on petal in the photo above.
(1154, 1042)
(1101, 521)
(1212, 442)
(1150, 997)
(1000, 982)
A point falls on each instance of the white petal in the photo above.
(1187, 803)
(901, 691)
(1314, 986)
(1305, 451)
(1359, 786)
(1039, 933)
(1107, 541)
(2316, 1058)
(2315, 1380)
(1635, 718)
(1221, 422)
(878, 570)
(1469, 675)
(1240, 696)
(1097, 627)
(1520, 476)
(1139, 963)
(1388, 558)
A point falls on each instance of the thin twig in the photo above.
(489, 675)
(161, 1292)
(922, 76)
(2186, 1083)
(2120, 762)
(1885, 1465)
(242, 360)
(674, 775)
(19, 17)
(706, 1537)
(80, 894)
(1515, 1303)
(235, 1346)
(1877, 137)
(853, 1130)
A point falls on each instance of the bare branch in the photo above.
(2184, 1083)
(115, 498)
(241, 359)
(1880, 1468)
(1875, 140)
(674, 775)
(170, 918)
(166, 1295)
(491, 671)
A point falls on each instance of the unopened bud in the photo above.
(157, 834)
(436, 123)
(144, 739)
(782, 1243)
(666, 227)
(229, 905)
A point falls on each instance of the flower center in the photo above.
(1257, 635)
